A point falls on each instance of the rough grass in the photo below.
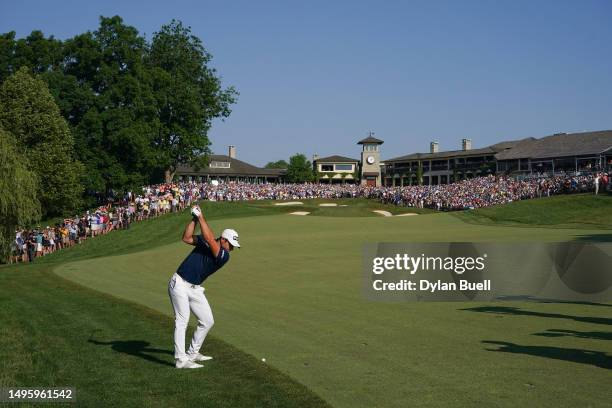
(56, 333)
(563, 211)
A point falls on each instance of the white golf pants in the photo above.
(185, 296)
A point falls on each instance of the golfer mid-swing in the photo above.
(185, 291)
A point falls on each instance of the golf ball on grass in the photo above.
(263, 359)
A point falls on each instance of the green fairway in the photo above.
(293, 295)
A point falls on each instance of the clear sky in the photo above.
(316, 76)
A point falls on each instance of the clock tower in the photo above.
(370, 160)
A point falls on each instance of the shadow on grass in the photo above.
(505, 310)
(594, 238)
(526, 298)
(574, 333)
(136, 348)
(590, 357)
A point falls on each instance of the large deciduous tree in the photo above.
(19, 205)
(279, 164)
(299, 169)
(30, 114)
(136, 108)
(115, 121)
(40, 54)
(188, 94)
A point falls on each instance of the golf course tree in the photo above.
(188, 96)
(30, 114)
(40, 54)
(279, 164)
(115, 118)
(100, 83)
(299, 169)
(136, 108)
(19, 203)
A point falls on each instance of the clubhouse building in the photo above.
(227, 168)
(335, 169)
(558, 153)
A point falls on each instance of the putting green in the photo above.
(293, 295)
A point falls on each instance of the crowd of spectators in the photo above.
(157, 200)
(467, 194)
(486, 191)
(153, 201)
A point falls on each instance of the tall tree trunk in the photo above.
(169, 174)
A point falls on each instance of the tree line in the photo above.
(101, 112)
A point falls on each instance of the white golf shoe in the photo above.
(187, 364)
(198, 357)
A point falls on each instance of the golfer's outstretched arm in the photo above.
(188, 234)
(208, 235)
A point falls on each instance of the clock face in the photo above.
(370, 159)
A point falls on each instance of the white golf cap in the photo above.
(232, 236)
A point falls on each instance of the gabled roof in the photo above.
(444, 155)
(560, 145)
(485, 151)
(370, 139)
(237, 167)
(508, 144)
(336, 159)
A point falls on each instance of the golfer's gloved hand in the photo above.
(196, 212)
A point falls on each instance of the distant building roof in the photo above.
(490, 150)
(236, 168)
(370, 139)
(560, 145)
(507, 144)
(336, 159)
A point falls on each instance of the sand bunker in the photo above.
(383, 212)
(300, 213)
(405, 215)
(290, 203)
(328, 205)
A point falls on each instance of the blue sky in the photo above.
(316, 76)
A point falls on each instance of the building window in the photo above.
(344, 167)
(512, 165)
(543, 166)
(565, 164)
(219, 165)
(439, 165)
(327, 167)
